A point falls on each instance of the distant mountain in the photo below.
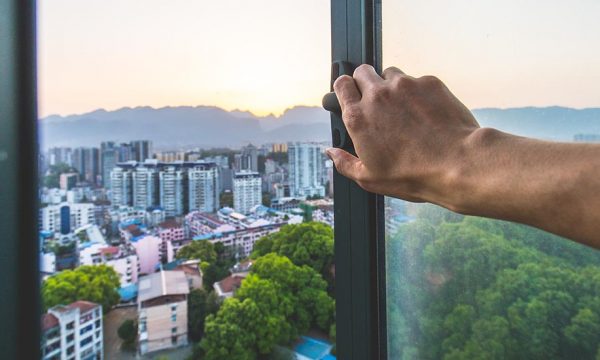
(205, 126)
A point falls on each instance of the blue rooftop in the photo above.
(313, 349)
(128, 292)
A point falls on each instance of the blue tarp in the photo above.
(128, 292)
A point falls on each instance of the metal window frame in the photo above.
(19, 248)
(361, 331)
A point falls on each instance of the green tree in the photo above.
(128, 333)
(200, 304)
(308, 243)
(97, 284)
(202, 250)
(52, 178)
(226, 199)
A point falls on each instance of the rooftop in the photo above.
(230, 283)
(48, 322)
(162, 283)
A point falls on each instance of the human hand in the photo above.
(410, 134)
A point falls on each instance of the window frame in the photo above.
(19, 290)
(359, 231)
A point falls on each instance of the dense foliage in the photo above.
(52, 178)
(97, 284)
(200, 304)
(276, 303)
(471, 288)
(309, 243)
(128, 333)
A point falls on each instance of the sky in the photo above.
(269, 55)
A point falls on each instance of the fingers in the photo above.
(365, 76)
(346, 91)
(346, 164)
(391, 72)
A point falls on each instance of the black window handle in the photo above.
(339, 135)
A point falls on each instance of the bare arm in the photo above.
(416, 141)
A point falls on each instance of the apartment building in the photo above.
(162, 311)
(73, 331)
(247, 191)
(306, 166)
(66, 217)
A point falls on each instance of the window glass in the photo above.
(464, 287)
(183, 171)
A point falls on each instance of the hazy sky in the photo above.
(268, 55)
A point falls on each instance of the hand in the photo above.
(410, 134)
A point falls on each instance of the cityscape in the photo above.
(157, 230)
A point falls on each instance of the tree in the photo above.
(52, 179)
(226, 198)
(97, 284)
(202, 250)
(200, 304)
(308, 243)
(276, 303)
(128, 333)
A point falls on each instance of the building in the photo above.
(60, 155)
(162, 311)
(203, 187)
(227, 287)
(170, 156)
(66, 217)
(121, 184)
(151, 250)
(173, 189)
(306, 166)
(247, 186)
(73, 331)
(109, 157)
(145, 184)
(279, 148)
(142, 150)
(87, 163)
(122, 259)
(247, 159)
(68, 181)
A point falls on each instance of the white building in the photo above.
(66, 217)
(124, 262)
(73, 331)
(203, 185)
(172, 181)
(145, 185)
(121, 184)
(247, 193)
(150, 251)
(306, 166)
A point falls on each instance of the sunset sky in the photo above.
(268, 55)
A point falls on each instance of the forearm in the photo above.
(552, 186)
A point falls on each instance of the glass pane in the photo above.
(471, 288)
(183, 142)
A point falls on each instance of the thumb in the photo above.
(345, 163)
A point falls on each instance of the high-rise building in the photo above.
(173, 189)
(109, 156)
(59, 155)
(73, 331)
(87, 162)
(306, 166)
(279, 148)
(203, 186)
(121, 184)
(247, 159)
(142, 150)
(145, 184)
(67, 181)
(247, 193)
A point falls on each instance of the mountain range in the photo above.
(206, 126)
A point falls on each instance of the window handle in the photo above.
(339, 135)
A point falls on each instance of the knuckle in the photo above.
(361, 68)
(431, 81)
(340, 81)
(403, 83)
(379, 92)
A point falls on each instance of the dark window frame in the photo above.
(361, 331)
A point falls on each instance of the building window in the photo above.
(174, 340)
(71, 325)
(70, 338)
